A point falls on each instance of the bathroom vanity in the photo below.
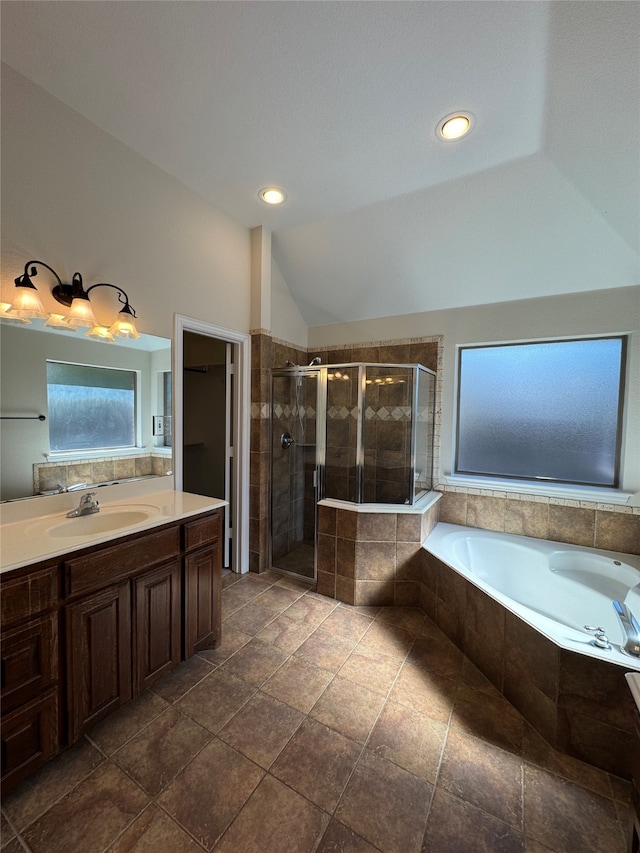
(92, 617)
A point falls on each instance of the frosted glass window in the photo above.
(542, 411)
(90, 408)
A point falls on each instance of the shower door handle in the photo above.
(315, 478)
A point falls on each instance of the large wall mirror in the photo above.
(48, 372)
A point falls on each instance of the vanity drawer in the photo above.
(29, 738)
(108, 565)
(28, 596)
(203, 531)
(29, 660)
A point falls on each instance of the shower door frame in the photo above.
(320, 371)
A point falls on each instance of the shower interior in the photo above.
(361, 433)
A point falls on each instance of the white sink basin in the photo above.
(105, 521)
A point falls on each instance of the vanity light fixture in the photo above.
(454, 126)
(4, 308)
(27, 305)
(272, 195)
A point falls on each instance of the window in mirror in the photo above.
(91, 408)
(166, 385)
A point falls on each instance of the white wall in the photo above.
(286, 320)
(590, 313)
(76, 198)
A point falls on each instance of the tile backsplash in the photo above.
(49, 476)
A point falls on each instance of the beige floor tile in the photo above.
(275, 819)
(317, 762)
(386, 805)
(207, 795)
(112, 733)
(326, 650)
(455, 826)
(216, 699)
(262, 728)
(255, 662)
(155, 832)
(299, 683)
(158, 753)
(90, 817)
(409, 739)
(371, 669)
(348, 708)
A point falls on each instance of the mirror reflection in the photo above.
(107, 410)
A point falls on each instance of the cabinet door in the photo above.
(29, 738)
(98, 656)
(156, 624)
(29, 660)
(203, 602)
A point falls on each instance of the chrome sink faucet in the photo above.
(87, 506)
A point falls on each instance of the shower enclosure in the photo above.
(361, 433)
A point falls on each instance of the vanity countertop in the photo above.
(27, 538)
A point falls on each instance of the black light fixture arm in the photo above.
(123, 299)
(24, 280)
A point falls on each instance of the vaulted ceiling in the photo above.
(338, 102)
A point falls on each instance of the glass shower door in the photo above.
(294, 472)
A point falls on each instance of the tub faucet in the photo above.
(87, 506)
(631, 628)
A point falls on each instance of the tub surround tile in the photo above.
(371, 592)
(527, 518)
(345, 590)
(617, 531)
(536, 656)
(485, 512)
(592, 740)
(453, 507)
(408, 561)
(375, 561)
(536, 750)
(573, 525)
(532, 703)
(489, 717)
(489, 658)
(596, 689)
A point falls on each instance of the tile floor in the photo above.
(317, 727)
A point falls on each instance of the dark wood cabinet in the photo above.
(29, 672)
(29, 737)
(203, 584)
(130, 613)
(157, 625)
(98, 657)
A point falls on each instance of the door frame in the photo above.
(241, 342)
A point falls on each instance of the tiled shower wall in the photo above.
(266, 353)
(591, 524)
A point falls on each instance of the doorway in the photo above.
(211, 420)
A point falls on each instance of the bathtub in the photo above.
(517, 607)
(555, 588)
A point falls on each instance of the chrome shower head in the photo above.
(316, 360)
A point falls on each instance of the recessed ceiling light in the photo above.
(272, 195)
(454, 126)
